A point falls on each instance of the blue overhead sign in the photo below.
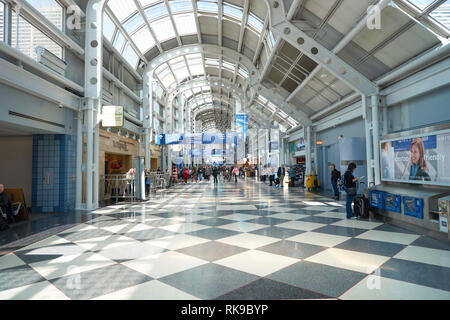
(199, 138)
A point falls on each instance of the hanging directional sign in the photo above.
(242, 123)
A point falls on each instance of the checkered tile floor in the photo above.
(244, 241)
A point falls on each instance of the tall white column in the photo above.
(376, 137)
(89, 153)
(147, 105)
(369, 141)
(79, 164)
(316, 155)
(308, 149)
(93, 94)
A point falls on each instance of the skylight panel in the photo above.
(185, 24)
(271, 107)
(292, 122)
(145, 3)
(243, 73)
(282, 114)
(108, 27)
(168, 80)
(130, 55)
(122, 9)
(212, 62)
(421, 4)
(194, 58)
(178, 6)
(163, 29)
(228, 65)
(208, 6)
(271, 39)
(134, 23)
(119, 41)
(256, 23)
(232, 11)
(262, 99)
(442, 14)
(157, 11)
(143, 39)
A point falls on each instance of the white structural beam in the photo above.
(19, 78)
(341, 45)
(317, 52)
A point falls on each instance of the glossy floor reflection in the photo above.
(230, 241)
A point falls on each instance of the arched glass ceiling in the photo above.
(148, 23)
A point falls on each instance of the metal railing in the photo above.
(117, 187)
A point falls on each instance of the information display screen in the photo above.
(421, 159)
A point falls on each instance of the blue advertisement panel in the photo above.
(274, 146)
(199, 138)
(217, 138)
(419, 159)
(242, 123)
(169, 139)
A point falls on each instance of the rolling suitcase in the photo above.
(361, 206)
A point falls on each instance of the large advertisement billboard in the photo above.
(421, 159)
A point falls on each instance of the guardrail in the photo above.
(118, 187)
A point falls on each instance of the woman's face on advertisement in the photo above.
(415, 155)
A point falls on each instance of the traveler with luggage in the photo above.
(350, 188)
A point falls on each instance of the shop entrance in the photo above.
(117, 163)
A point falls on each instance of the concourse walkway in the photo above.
(229, 241)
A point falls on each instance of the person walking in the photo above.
(271, 173)
(194, 175)
(215, 173)
(281, 173)
(350, 188)
(335, 175)
(292, 176)
(235, 173)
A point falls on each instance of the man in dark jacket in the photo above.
(5, 204)
(335, 175)
(350, 188)
(215, 174)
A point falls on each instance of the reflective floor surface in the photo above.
(232, 241)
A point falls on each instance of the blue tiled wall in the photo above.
(53, 157)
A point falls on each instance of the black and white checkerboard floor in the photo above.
(244, 241)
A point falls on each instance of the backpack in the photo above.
(340, 184)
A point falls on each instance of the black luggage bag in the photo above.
(3, 224)
(361, 205)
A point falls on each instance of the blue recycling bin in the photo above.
(393, 202)
(413, 207)
(376, 199)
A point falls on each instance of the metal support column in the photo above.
(308, 149)
(316, 155)
(376, 137)
(147, 105)
(79, 167)
(369, 153)
(93, 94)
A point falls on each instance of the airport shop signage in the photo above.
(112, 116)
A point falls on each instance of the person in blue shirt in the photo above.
(350, 188)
